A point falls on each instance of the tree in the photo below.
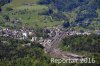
(45, 2)
(66, 24)
(8, 9)
(6, 17)
(0, 9)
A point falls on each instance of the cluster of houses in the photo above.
(25, 33)
(17, 34)
(52, 32)
(97, 32)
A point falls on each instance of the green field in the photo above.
(28, 14)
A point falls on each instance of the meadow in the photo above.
(28, 13)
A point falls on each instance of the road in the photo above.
(54, 50)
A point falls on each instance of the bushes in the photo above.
(0, 9)
(2, 2)
(44, 2)
(82, 43)
(12, 50)
(85, 17)
(9, 9)
(6, 17)
(46, 12)
(59, 16)
(66, 24)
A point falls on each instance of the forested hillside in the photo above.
(84, 13)
(86, 45)
(2, 2)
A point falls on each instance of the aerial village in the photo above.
(50, 44)
(53, 32)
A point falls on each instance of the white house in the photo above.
(34, 39)
(24, 35)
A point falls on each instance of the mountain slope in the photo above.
(79, 13)
(28, 13)
(84, 13)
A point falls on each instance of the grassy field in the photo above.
(16, 3)
(28, 13)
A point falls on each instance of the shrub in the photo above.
(9, 9)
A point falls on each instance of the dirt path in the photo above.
(54, 51)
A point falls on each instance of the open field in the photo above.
(28, 13)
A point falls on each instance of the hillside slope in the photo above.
(42, 13)
(83, 13)
(27, 13)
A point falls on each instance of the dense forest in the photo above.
(15, 52)
(83, 43)
(78, 12)
(3, 2)
(89, 44)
